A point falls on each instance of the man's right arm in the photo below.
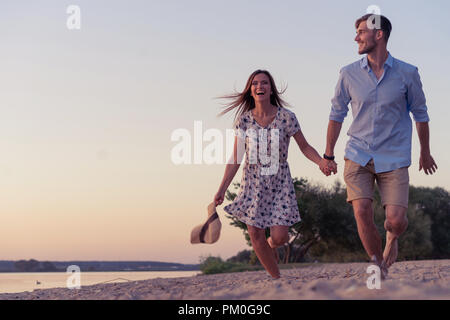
(339, 110)
(334, 128)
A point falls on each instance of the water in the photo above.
(20, 282)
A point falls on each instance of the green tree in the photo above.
(210, 265)
(26, 265)
(415, 243)
(243, 256)
(328, 231)
(327, 224)
(327, 219)
(434, 203)
(48, 266)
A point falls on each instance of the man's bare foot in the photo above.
(381, 265)
(391, 250)
(384, 270)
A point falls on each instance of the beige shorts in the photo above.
(393, 185)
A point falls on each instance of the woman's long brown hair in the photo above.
(244, 101)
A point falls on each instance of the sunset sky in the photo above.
(87, 115)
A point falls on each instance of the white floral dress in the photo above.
(266, 199)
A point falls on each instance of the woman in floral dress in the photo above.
(266, 198)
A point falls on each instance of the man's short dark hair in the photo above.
(385, 24)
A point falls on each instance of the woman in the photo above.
(266, 198)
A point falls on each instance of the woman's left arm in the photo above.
(311, 153)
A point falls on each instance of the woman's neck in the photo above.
(263, 108)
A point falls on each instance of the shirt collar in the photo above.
(365, 65)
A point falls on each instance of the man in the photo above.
(382, 91)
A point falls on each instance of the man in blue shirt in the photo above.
(382, 91)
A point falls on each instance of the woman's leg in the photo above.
(279, 235)
(263, 250)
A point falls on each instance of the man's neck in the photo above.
(377, 57)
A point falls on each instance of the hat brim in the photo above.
(208, 232)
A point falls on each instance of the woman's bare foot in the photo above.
(391, 250)
(269, 241)
(274, 249)
(275, 253)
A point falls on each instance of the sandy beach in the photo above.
(406, 280)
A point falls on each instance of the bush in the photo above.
(211, 265)
(242, 257)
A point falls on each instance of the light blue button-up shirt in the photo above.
(381, 129)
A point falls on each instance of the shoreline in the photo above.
(424, 279)
(28, 281)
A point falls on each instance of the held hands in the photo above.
(328, 166)
(218, 198)
(426, 162)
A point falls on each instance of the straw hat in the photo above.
(209, 231)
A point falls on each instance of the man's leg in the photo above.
(395, 224)
(367, 230)
(360, 181)
(394, 190)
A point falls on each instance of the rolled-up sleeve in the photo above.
(341, 99)
(292, 125)
(240, 126)
(416, 98)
